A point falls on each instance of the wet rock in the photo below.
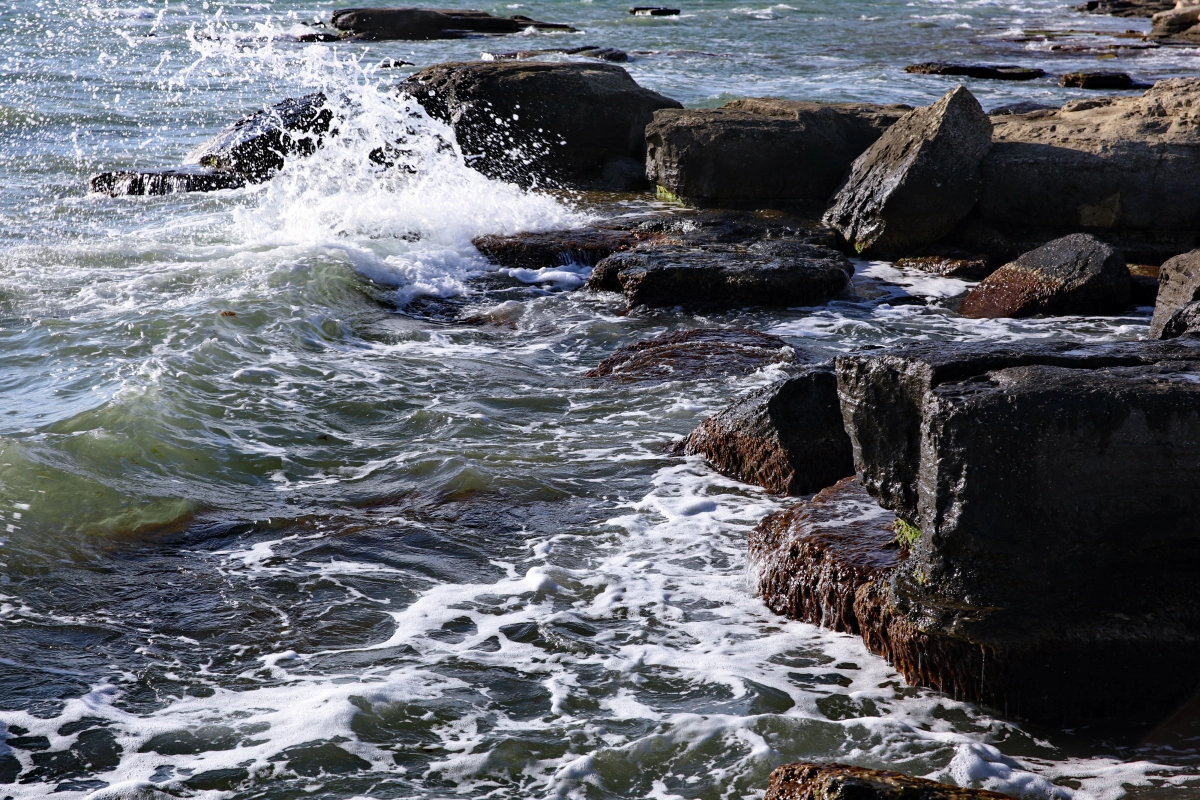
(318, 37)
(788, 437)
(653, 11)
(394, 63)
(1097, 79)
(1126, 8)
(999, 72)
(767, 273)
(968, 269)
(1184, 322)
(590, 51)
(257, 145)
(696, 354)
(163, 181)
(1022, 107)
(803, 781)
(809, 560)
(761, 152)
(426, 23)
(556, 248)
(1077, 274)
(533, 122)
(918, 181)
(1178, 285)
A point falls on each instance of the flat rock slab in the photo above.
(428, 23)
(589, 51)
(999, 72)
(1178, 286)
(803, 781)
(163, 181)
(810, 560)
(1100, 80)
(556, 248)
(696, 354)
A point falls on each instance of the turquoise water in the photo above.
(278, 521)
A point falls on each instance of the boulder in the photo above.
(802, 781)
(1126, 8)
(590, 51)
(968, 269)
(1178, 285)
(1100, 79)
(1184, 322)
(163, 181)
(536, 123)
(1077, 274)
(787, 437)
(696, 354)
(918, 181)
(767, 273)
(998, 72)
(760, 152)
(429, 23)
(257, 145)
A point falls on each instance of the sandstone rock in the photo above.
(696, 354)
(844, 782)
(429, 23)
(534, 123)
(590, 51)
(787, 437)
(761, 153)
(1000, 72)
(1175, 20)
(1077, 274)
(969, 269)
(1022, 107)
(918, 181)
(163, 181)
(1126, 8)
(256, 145)
(809, 560)
(1184, 322)
(1099, 79)
(1178, 285)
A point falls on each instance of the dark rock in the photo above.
(394, 63)
(318, 37)
(809, 560)
(844, 782)
(530, 122)
(1184, 322)
(256, 146)
(1100, 80)
(1022, 107)
(761, 152)
(788, 437)
(1143, 284)
(1178, 285)
(713, 226)
(653, 11)
(1175, 21)
(768, 273)
(918, 181)
(591, 51)
(163, 181)
(1000, 72)
(1126, 8)
(555, 248)
(427, 23)
(969, 269)
(1077, 274)
(696, 354)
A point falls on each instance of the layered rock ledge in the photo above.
(803, 781)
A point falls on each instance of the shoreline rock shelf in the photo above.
(804, 781)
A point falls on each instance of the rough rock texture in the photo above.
(1143, 284)
(761, 152)
(1126, 8)
(809, 560)
(163, 181)
(766, 273)
(1000, 72)
(555, 248)
(1100, 79)
(787, 437)
(803, 781)
(1184, 322)
(1175, 21)
(588, 51)
(695, 354)
(970, 269)
(256, 145)
(1077, 274)
(1178, 285)
(530, 122)
(428, 23)
(1126, 169)
(918, 181)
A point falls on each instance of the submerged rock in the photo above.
(803, 781)
(1000, 72)
(1178, 286)
(918, 181)
(163, 181)
(788, 437)
(696, 354)
(532, 122)
(1077, 274)
(1099, 79)
(761, 152)
(428, 23)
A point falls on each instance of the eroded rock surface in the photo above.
(429, 23)
(970, 269)
(1178, 285)
(696, 354)
(257, 145)
(803, 781)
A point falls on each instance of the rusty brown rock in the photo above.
(803, 781)
(700, 353)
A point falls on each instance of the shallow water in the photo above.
(272, 526)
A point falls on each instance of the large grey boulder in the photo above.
(538, 123)
(1178, 285)
(918, 181)
(1077, 274)
(428, 23)
(761, 153)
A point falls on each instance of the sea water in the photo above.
(274, 523)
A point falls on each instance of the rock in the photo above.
(787, 438)
(1175, 21)
(999, 72)
(1126, 8)
(1184, 322)
(1178, 285)
(653, 11)
(318, 37)
(394, 63)
(1100, 80)
(555, 248)
(1022, 107)
(808, 561)
(803, 781)
(426, 23)
(1143, 284)
(761, 153)
(163, 181)
(968, 269)
(533, 123)
(696, 354)
(1077, 274)
(591, 51)
(767, 273)
(256, 146)
(918, 181)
